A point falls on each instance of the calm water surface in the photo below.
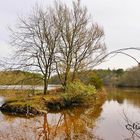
(106, 122)
(122, 107)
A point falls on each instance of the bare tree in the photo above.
(36, 40)
(80, 42)
(60, 39)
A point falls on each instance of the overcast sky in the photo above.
(120, 20)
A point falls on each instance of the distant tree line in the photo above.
(18, 77)
(116, 78)
(130, 78)
(97, 78)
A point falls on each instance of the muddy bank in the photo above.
(19, 110)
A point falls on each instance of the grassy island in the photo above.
(27, 103)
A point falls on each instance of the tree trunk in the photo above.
(66, 78)
(74, 76)
(75, 73)
(45, 86)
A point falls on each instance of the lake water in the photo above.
(26, 87)
(117, 119)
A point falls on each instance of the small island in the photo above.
(27, 103)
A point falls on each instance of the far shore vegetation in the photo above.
(97, 78)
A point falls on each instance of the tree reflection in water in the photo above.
(72, 124)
